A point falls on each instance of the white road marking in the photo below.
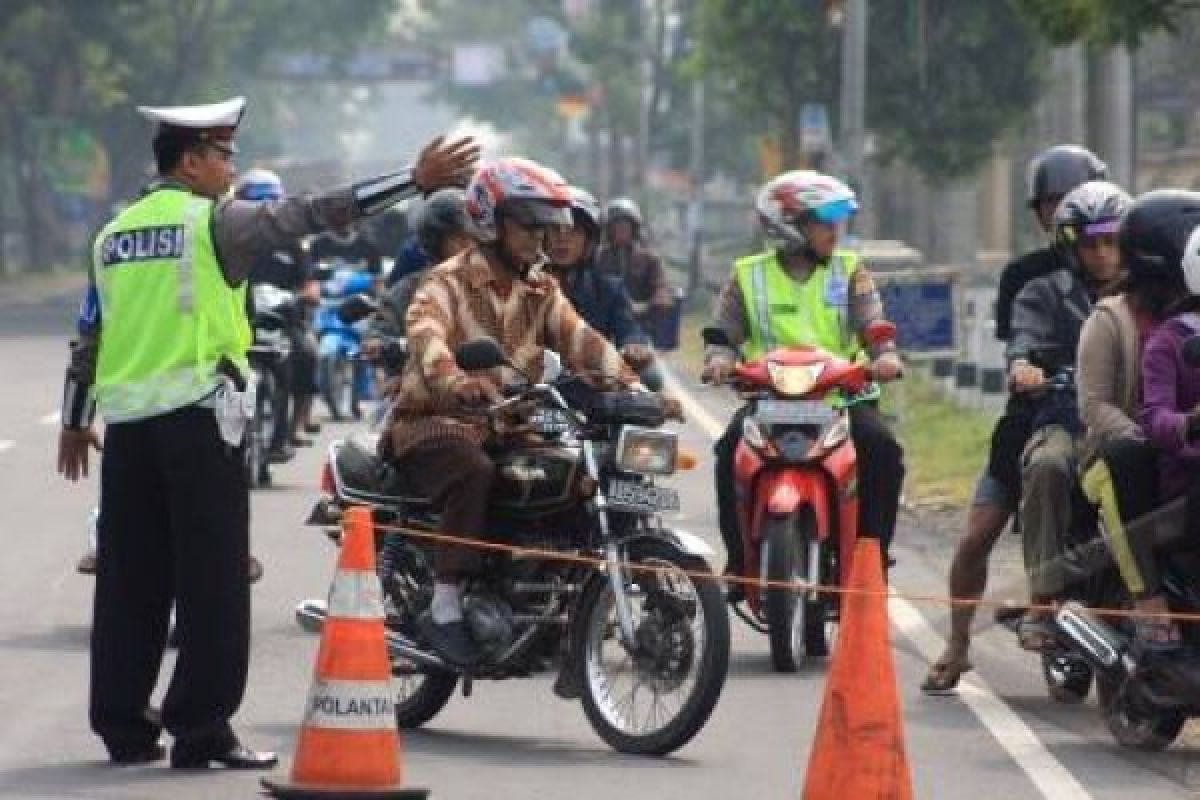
(6, 444)
(1052, 779)
(52, 418)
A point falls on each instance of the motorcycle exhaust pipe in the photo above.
(311, 614)
(1096, 640)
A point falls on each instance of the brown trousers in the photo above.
(457, 475)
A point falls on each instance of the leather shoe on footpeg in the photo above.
(237, 757)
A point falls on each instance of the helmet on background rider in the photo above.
(586, 215)
(1056, 171)
(258, 185)
(624, 208)
(442, 215)
(1091, 209)
(1159, 239)
(529, 194)
(787, 202)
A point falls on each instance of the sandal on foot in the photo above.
(944, 675)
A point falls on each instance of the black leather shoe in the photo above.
(237, 757)
(254, 570)
(452, 641)
(136, 756)
(312, 428)
(300, 441)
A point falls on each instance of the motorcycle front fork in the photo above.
(612, 556)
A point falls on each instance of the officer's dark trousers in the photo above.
(880, 478)
(173, 526)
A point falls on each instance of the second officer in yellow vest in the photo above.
(162, 357)
(804, 290)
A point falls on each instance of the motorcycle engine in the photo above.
(490, 621)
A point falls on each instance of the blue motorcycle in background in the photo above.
(344, 379)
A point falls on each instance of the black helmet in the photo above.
(1057, 171)
(442, 215)
(1155, 234)
(1092, 208)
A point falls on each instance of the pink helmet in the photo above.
(521, 189)
(794, 196)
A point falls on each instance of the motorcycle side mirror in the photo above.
(480, 354)
(1191, 350)
(715, 337)
(356, 308)
(881, 330)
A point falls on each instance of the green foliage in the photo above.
(946, 83)
(1104, 22)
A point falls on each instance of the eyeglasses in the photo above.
(224, 152)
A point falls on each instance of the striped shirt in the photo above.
(462, 299)
(865, 307)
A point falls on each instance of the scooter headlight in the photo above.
(790, 380)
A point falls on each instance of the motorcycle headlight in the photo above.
(790, 380)
(646, 451)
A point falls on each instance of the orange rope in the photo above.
(797, 586)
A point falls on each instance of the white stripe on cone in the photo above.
(356, 594)
(350, 705)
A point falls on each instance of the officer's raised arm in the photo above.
(243, 230)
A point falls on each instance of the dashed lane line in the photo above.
(53, 418)
(1051, 778)
(6, 444)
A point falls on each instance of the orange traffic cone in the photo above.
(859, 747)
(349, 746)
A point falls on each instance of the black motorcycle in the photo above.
(275, 312)
(1146, 698)
(627, 609)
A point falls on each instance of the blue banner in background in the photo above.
(924, 306)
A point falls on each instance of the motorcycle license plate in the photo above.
(638, 497)
(793, 412)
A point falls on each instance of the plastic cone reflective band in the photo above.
(348, 745)
(859, 747)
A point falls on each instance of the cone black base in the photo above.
(289, 791)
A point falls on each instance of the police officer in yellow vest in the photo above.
(163, 361)
(805, 290)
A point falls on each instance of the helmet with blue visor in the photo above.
(258, 185)
(788, 202)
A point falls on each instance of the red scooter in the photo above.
(796, 476)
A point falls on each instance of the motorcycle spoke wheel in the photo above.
(653, 697)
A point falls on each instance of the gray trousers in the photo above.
(1048, 476)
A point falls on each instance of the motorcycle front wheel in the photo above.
(654, 697)
(1136, 725)
(796, 620)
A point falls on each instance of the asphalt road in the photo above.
(1001, 738)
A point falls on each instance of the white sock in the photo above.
(447, 603)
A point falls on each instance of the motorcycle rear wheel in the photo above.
(1149, 730)
(420, 696)
(682, 622)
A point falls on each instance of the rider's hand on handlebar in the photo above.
(637, 356)
(1025, 376)
(443, 163)
(717, 371)
(887, 367)
(672, 407)
(472, 392)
